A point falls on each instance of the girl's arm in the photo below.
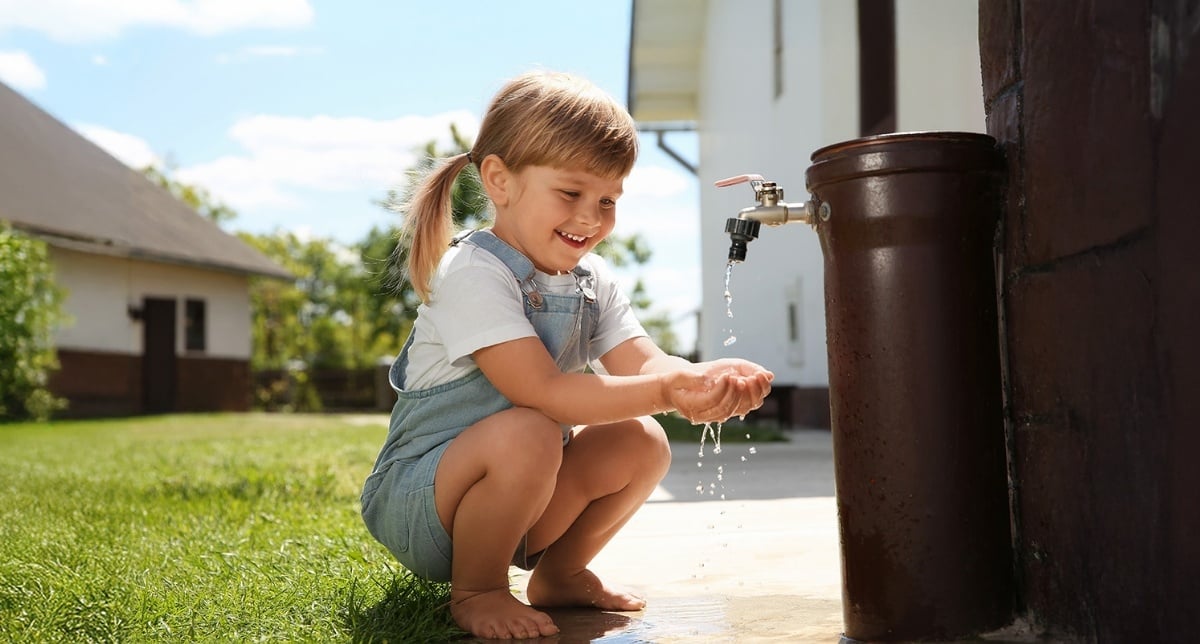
(750, 382)
(525, 373)
(640, 356)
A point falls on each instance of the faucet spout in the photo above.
(741, 231)
(771, 210)
(779, 213)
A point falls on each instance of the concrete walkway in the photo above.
(740, 546)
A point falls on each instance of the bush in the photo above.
(29, 312)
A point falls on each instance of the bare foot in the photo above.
(496, 614)
(580, 589)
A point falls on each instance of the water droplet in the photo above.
(730, 340)
(753, 450)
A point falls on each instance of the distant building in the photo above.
(765, 83)
(158, 295)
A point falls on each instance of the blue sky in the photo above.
(299, 114)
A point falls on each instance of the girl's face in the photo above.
(555, 216)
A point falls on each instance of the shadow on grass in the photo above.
(400, 608)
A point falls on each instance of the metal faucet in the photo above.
(771, 210)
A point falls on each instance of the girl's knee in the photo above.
(653, 445)
(527, 437)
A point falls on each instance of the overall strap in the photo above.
(520, 265)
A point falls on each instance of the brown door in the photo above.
(158, 357)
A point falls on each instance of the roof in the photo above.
(59, 186)
(665, 47)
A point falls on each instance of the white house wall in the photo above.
(744, 129)
(938, 82)
(101, 289)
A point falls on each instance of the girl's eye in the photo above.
(607, 203)
(570, 194)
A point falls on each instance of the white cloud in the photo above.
(241, 183)
(286, 155)
(99, 60)
(131, 150)
(88, 20)
(18, 69)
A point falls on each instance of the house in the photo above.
(763, 84)
(157, 295)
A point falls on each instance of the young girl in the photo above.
(502, 449)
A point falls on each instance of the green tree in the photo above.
(320, 321)
(30, 310)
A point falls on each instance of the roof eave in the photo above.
(666, 43)
(106, 247)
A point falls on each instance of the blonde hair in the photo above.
(539, 118)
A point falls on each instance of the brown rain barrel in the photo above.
(914, 382)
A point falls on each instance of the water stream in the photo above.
(729, 302)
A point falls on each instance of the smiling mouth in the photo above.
(574, 240)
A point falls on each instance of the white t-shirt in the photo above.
(475, 302)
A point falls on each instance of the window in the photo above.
(793, 295)
(194, 326)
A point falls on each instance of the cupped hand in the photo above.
(718, 390)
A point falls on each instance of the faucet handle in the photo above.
(756, 181)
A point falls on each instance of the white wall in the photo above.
(938, 82)
(744, 129)
(101, 289)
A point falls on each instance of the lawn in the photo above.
(199, 528)
(206, 528)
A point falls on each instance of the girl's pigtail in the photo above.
(429, 225)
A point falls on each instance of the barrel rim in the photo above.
(921, 135)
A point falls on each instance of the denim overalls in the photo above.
(397, 498)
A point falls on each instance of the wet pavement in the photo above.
(740, 546)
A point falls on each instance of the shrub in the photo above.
(29, 312)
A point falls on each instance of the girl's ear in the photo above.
(496, 179)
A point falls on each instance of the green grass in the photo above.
(229, 527)
(200, 528)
